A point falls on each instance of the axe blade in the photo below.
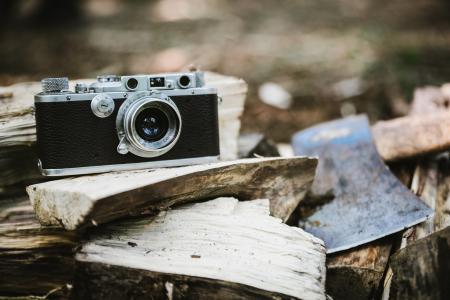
(368, 201)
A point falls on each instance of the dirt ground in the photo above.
(335, 57)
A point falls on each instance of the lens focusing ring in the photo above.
(126, 122)
(136, 139)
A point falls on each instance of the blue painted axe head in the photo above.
(367, 201)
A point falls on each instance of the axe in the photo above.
(365, 201)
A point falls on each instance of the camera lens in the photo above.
(152, 124)
(132, 83)
(184, 81)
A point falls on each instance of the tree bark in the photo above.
(422, 269)
(431, 182)
(412, 136)
(357, 273)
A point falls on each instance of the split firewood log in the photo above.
(421, 270)
(357, 273)
(431, 182)
(35, 261)
(412, 136)
(430, 99)
(18, 134)
(229, 250)
(91, 200)
(425, 130)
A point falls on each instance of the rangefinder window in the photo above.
(132, 83)
(184, 81)
(157, 82)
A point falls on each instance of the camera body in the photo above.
(126, 122)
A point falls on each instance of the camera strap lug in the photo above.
(122, 148)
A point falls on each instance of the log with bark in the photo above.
(417, 279)
(91, 200)
(357, 273)
(35, 261)
(431, 99)
(431, 182)
(220, 249)
(421, 270)
(412, 136)
(425, 130)
(18, 135)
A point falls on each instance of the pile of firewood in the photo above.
(227, 230)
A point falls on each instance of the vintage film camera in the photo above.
(126, 122)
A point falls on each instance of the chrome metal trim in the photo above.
(102, 105)
(142, 82)
(187, 85)
(63, 97)
(126, 131)
(126, 167)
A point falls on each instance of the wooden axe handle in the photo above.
(412, 136)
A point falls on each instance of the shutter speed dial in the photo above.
(102, 105)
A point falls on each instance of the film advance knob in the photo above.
(102, 105)
(51, 85)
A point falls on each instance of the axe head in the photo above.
(367, 201)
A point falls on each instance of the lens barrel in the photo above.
(150, 125)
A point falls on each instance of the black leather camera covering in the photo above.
(69, 135)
